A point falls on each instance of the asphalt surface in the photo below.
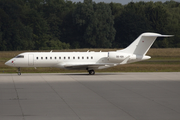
(104, 96)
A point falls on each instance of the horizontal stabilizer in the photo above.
(158, 35)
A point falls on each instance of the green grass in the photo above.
(162, 60)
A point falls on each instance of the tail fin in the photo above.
(142, 44)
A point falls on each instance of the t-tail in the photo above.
(142, 44)
(137, 50)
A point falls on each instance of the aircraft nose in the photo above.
(9, 63)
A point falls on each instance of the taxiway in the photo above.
(104, 96)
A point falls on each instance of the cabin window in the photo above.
(41, 57)
(54, 57)
(20, 56)
(59, 57)
(73, 57)
(68, 57)
(50, 57)
(46, 57)
(91, 57)
(64, 57)
(87, 57)
(82, 57)
(37, 58)
(78, 57)
(117, 56)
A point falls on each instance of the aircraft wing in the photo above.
(88, 66)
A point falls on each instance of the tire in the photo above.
(91, 72)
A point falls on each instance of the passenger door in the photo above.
(31, 60)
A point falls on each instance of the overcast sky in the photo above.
(122, 1)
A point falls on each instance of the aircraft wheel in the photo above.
(19, 73)
(91, 72)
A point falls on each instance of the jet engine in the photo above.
(116, 56)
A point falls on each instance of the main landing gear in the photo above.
(19, 71)
(91, 72)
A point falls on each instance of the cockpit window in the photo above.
(20, 56)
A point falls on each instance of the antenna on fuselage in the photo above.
(51, 51)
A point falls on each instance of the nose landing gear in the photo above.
(19, 71)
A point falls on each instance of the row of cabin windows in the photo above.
(64, 58)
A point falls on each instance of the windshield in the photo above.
(20, 56)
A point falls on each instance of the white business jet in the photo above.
(89, 61)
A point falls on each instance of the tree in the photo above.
(60, 24)
(14, 35)
(94, 24)
(116, 9)
(173, 23)
(157, 15)
(130, 24)
(82, 16)
(100, 31)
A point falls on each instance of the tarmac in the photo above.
(79, 96)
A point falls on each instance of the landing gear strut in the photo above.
(91, 72)
(19, 71)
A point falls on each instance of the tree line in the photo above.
(63, 24)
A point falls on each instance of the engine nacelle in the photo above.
(136, 58)
(119, 57)
(116, 56)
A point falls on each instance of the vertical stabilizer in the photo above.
(142, 44)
